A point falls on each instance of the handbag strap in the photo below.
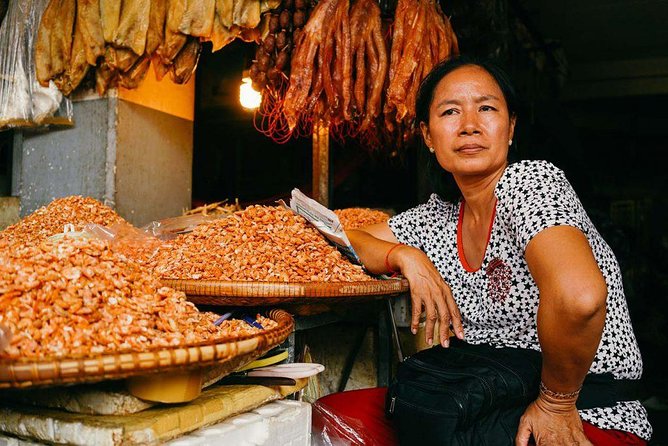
(603, 390)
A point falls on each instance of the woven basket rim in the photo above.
(260, 289)
(25, 372)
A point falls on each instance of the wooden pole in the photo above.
(321, 163)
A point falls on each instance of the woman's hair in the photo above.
(442, 181)
(425, 94)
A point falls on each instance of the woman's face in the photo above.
(469, 123)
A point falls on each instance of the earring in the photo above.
(510, 142)
(431, 149)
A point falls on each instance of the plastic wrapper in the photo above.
(332, 429)
(134, 243)
(23, 101)
(170, 228)
(15, 103)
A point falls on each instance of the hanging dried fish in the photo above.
(110, 14)
(198, 18)
(186, 61)
(120, 36)
(90, 25)
(174, 39)
(54, 41)
(156, 25)
(133, 25)
(133, 77)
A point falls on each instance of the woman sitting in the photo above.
(513, 261)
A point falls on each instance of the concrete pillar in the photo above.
(131, 150)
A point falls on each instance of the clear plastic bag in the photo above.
(15, 103)
(170, 228)
(23, 102)
(330, 429)
(134, 243)
(49, 106)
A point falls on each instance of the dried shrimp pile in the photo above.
(260, 243)
(51, 219)
(354, 218)
(77, 297)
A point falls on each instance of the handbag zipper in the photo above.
(406, 403)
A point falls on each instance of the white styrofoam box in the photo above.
(188, 440)
(11, 441)
(281, 423)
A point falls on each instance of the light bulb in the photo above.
(248, 96)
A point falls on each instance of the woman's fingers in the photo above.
(430, 293)
(523, 434)
(432, 317)
(456, 316)
(416, 307)
(444, 318)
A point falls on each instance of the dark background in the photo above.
(594, 79)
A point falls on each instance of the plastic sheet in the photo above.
(332, 429)
(354, 417)
(23, 102)
(170, 228)
(132, 242)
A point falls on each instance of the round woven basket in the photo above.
(236, 352)
(247, 293)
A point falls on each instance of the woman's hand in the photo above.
(380, 253)
(551, 422)
(430, 293)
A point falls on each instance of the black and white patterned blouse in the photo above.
(499, 301)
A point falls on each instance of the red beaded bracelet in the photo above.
(387, 259)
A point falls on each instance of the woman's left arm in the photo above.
(571, 316)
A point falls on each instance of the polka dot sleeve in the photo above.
(541, 197)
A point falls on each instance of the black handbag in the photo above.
(475, 394)
(463, 395)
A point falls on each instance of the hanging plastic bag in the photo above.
(49, 106)
(23, 102)
(15, 101)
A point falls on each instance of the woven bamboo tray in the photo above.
(58, 371)
(247, 293)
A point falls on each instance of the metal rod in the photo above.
(390, 314)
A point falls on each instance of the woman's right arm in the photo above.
(377, 248)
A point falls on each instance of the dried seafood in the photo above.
(260, 243)
(114, 37)
(354, 218)
(49, 220)
(421, 38)
(215, 209)
(70, 298)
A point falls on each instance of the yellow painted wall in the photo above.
(164, 95)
